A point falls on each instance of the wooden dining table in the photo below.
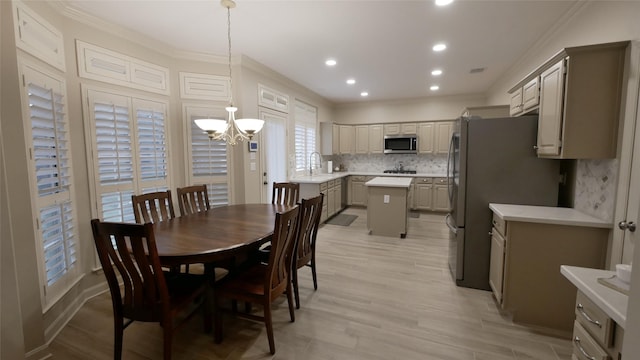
(220, 233)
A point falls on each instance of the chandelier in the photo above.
(231, 130)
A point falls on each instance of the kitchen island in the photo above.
(388, 205)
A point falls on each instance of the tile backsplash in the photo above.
(426, 164)
(595, 187)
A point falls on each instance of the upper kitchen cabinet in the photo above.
(579, 98)
(443, 132)
(347, 137)
(400, 129)
(525, 98)
(330, 138)
(376, 142)
(362, 139)
(426, 138)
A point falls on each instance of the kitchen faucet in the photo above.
(311, 158)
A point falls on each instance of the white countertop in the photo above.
(323, 177)
(386, 181)
(612, 302)
(547, 215)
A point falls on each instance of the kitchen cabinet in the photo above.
(330, 138)
(525, 98)
(376, 141)
(579, 103)
(440, 195)
(400, 129)
(443, 132)
(387, 209)
(362, 139)
(600, 315)
(528, 246)
(333, 193)
(347, 139)
(423, 193)
(426, 138)
(357, 191)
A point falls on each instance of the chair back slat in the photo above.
(153, 207)
(285, 193)
(308, 223)
(129, 251)
(193, 199)
(282, 243)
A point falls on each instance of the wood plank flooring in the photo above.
(377, 298)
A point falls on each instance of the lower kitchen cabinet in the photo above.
(357, 190)
(333, 196)
(423, 193)
(525, 260)
(595, 334)
(440, 195)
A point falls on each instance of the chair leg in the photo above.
(167, 331)
(313, 272)
(292, 314)
(206, 310)
(268, 323)
(118, 330)
(294, 276)
(217, 321)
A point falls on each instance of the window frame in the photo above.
(306, 115)
(189, 112)
(50, 294)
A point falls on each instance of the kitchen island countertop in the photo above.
(385, 181)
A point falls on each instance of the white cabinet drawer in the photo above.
(423, 180)
(440, 181)
(499, 224)
(585, 347)
(594, 320)
(323, 186)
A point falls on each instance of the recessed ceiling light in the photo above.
(439, 47)
(331, 62)
(436, 72)
(351, 81)
(364, 93)
(443, 2)
(434, 87)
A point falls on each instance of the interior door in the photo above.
(274, 154)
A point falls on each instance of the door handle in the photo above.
(623, 225)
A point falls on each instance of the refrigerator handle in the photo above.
(446, 220)
(450, 167)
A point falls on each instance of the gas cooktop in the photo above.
(400, 172)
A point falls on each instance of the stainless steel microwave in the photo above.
(401, 144)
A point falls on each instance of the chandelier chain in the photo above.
(229, 42)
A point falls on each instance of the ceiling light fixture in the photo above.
(331, 62)
(364, 93)
(434, 87)
(439, 47)
(231, 130)
(443, 2)
(436, 72)
(351, 81)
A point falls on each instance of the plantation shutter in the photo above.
(305, 135)
(209, 163)
(51, 166)
(113, 155)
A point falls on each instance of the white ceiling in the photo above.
(384, 45)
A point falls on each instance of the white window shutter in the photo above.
(305, 135)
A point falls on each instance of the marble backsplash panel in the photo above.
(425, 164)
(595, 188)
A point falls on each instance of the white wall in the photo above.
(425, 109)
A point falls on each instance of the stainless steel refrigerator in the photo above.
(491, 161)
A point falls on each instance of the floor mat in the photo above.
(342, 219)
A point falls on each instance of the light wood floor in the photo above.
(377, 298)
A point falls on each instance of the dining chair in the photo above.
(193, 199)
(128, 254)
(304, 253)
(153, 207)
(261, 283)
(285, 193)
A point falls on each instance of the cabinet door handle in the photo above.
(586, 316)
(623, 225)
(576, 340)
